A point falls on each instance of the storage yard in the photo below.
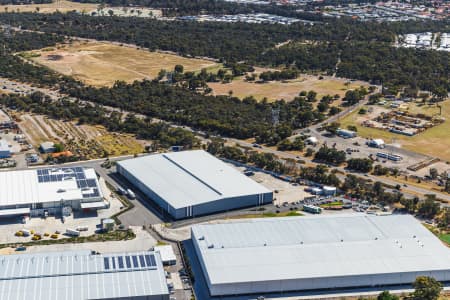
(433, 141)
(318, 253)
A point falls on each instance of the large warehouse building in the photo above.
(51, 190)
(82, 275)
(317, 252)
(192, 183)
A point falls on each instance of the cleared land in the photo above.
(434, 141)
(61, 6)
(286, 90)
(101, 64)
(83, 140)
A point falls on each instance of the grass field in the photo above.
(445, 238)
(268, 215)
(287, 90)
(101, 64)
(62, 6)
(434, 141)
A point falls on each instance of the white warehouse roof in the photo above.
(81, 275)
(48, 185)
(190, 177)
(317, 252)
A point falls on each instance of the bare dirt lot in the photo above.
(61, 6)
(84, 140)
(286, 90)
(101, 64)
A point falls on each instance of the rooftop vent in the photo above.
(210, 246)
(201, 238)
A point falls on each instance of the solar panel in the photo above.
(113, 260)
(91, 182)
(142, 260)
(152, 258)
(39, 172)
(53, 178)
(120, 260)
(135, 261)
(106, 262)
(128, 261)
(82, 183)
(149, 261)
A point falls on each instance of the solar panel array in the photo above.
(74, 173)
(126, 262)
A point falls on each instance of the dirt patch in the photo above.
(48, 8)
(286, 90)
(102, 64)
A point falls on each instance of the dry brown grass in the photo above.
(287, 90)
(101, 64)
(85, 140)
(62, 6)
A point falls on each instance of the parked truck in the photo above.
(72, 232)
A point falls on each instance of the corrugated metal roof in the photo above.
(81, 275)
(4, 146)
(190, 177)
(317, 247)
(48, 185)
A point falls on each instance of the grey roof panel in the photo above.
(190, 177)
(317, 247)
(77, 275)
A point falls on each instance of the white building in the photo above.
(5, 151)
(187, 184)
(256, 256)
(34, 192)
(168, 256)
(376, 143)
(82, 275)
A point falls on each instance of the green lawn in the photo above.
(445, 238)
(269, 215)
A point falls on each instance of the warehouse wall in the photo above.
(325, 283)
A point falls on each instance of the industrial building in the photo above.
(83, 275)
(258, 256)
(5, 151)
(346, 134)
(192, 183)
(49, 191)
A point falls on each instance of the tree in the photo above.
(179, 69)
(426, 288)
(332, 127)
(59, 147)
(387, 296)
(429, 208)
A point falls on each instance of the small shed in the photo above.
(47, 147)
(167, 255)
(5, 151)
